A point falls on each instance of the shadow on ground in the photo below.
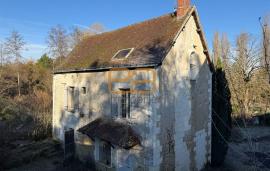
(249, 149)
(44, 155)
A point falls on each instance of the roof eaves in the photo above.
(202, 36)
(101, 69)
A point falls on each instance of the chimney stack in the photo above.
(182, 7)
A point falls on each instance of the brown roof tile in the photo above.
(151, 40)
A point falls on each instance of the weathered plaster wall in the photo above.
(99, 101)
(185, 107)
(174, 121)
(95, 104)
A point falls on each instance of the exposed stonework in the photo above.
(182, 7)
(185, 103)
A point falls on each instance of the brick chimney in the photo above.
(182, 7)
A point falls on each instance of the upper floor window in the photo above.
(76, 98)
(71, 98)
(122, 54)
(194, 62)
(83, 90)
(125, 103)
(83, 101)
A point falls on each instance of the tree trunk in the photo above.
(246, 103)
(19, 88)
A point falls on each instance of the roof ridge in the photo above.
(131, 25)
(141, 22)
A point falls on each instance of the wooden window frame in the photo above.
(125, 103)
(71, 98)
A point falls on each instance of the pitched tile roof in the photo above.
(151, 39)
(113, 132)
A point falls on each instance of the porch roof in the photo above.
(115, 133)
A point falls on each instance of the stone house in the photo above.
(138, 98)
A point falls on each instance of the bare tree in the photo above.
(1, 58)
(247, 55)
(246, 61)
(241, 65)
(216, 49)
(58, 43)
(225, 50)
(266, 45)
(221, 51)
(1, 54)
(13, 49)
(76, 36)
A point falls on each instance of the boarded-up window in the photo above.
(83, 101)
(71, 98)
(194, 66)
(65, 89)
(105, 153)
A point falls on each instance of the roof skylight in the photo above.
(122, 54)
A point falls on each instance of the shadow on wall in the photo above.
(75, 119)
(98, 101)
(199, 116)
(174, 104)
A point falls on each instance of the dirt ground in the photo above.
(44, 155)
(52, 164)
(41, 164)
(249, 149)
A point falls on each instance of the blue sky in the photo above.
(33, 18)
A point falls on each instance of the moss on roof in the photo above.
(113, 132)
(151, 40)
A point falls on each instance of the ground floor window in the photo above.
(105, 153)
